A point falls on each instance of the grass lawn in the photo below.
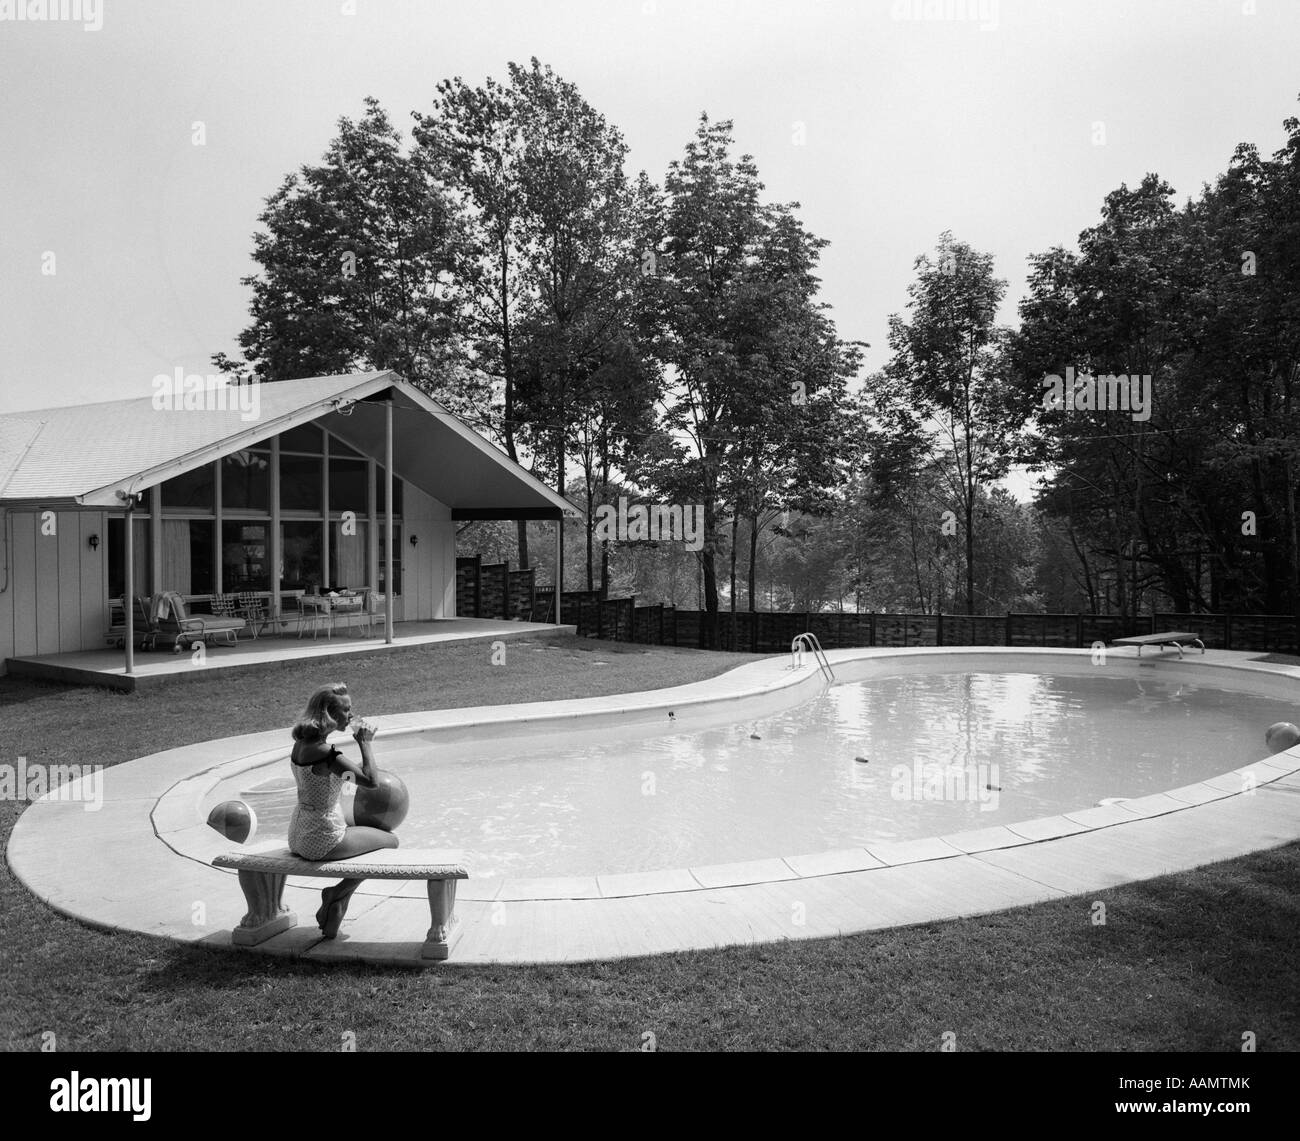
(1187, 962)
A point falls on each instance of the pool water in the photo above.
(893, 758)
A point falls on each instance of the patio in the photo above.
(106, 667)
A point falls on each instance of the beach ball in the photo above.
(383, 807)
(234, 819)
(1281, 736)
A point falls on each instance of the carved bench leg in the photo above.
(445, 926)
(266, 916)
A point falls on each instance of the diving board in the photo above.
(1174, 638)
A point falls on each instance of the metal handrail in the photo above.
(809, 641)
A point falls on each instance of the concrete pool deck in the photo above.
(141, 862)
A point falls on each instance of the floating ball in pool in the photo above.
(234, 819)
(1281, 736)
(383, 807)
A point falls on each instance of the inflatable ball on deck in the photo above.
(234, 819)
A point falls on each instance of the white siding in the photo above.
(56, 600)
(429, 568)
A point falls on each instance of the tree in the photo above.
(941, 389)
(356, 263)
(739, 327)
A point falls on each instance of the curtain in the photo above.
(350, 555)
(176, 555)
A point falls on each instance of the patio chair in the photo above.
(346, 604)
(253, 609)
(146, 629)
(314, 610)
(224, 606)
(143, 629)
(173, 620)
(375, 609)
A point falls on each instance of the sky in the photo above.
(122, 242)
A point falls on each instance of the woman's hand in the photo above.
(363, 731)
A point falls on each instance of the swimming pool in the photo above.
(947, 744)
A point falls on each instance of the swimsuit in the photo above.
(317, 824)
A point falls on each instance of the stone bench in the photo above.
(262, 875)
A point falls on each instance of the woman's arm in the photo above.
(365, 773)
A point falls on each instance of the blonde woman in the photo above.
(317, 830)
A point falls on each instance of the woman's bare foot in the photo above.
(326, 899)
(334, 918)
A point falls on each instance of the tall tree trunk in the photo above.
(753, 560)
(591, 533)
(508, 368)
(735, 523)
(604, 498)
(970, 550)
(709, 571)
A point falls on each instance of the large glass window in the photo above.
(117, 556)
(349, 490)
(339, 448)
(307, 438)
(349, 554)
(246, 481)
(302, 562)
(191, 491)
(300, 483)
(245, 556)
(187, 555)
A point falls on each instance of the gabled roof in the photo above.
(93, 454)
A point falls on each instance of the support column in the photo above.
(128, 590)
(155, 538)
(388, 520)
(275, 542)
(559, 565)
(444, 923)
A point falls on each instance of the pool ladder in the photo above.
(808, 640)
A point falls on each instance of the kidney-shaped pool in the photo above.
(933, 749)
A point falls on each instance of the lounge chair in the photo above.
(173, 620)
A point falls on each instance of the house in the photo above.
(279, 489)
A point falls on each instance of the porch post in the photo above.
(559, 564)
(388, 520)
(275, 543)
(128, 592)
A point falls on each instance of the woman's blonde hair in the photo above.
(318, 720)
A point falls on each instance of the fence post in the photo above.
(1008, 641)
(1227, 631)
(938, 627)
(478, 586)
(871, 629)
